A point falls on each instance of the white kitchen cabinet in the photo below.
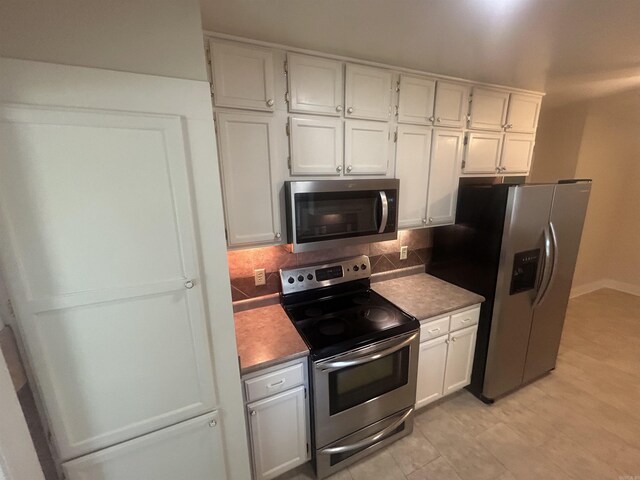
(192, 449)
(523, 114)
(488, 109)
(316, 146)
(316, 85)
(432, 361)
(416, 100)
(247, 151)
(242, 76)
(444, 172)
(462, 345)
(367, 92)
(279, 433)
(451, 105)
(413, 152)
(517, 152)
(366, 147)
(483, 152)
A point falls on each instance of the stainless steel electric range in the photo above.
(364, 357)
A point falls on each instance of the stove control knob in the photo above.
(309, 277)
(363, 266)
(290, 280)
(300, 278)
(356, 268)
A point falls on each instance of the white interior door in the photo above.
(316, 85)
(483, 152)
(432, 359)
(488, 109)
(96, 211)
(416, 100)
(316, 146)
(462, 347)
(444, 173)
(242, 76)
(517, 152)
(524, 111)
(452, 104)
(413, 152)
(366, 146)
(367, 93)
(247, 150)
(190, 450)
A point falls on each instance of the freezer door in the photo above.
(526, 217)
(565, 225)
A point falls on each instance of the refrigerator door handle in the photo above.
(550, 262)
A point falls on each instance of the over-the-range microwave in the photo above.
(336, 213)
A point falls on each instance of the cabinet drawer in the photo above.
(465, 319)
(434, 329)
(274, 382)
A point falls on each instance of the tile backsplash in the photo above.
(384, 256)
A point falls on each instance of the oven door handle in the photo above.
(385, 211)
(366, 442)
(353, 360)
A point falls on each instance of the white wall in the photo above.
(158, 37)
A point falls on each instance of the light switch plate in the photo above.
(403, 252)
(260, 276)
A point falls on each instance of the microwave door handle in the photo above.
(385, 211)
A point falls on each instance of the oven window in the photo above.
(352, 386)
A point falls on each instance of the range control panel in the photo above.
(316, 276)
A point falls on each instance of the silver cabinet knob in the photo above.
(507, 126)
(453, 339)
(338, 108)
(213, 423)
(424, 220)
(438, 120)
(253, 413)
(432, 119)
(430, 219)
(339, 168)
(350, 110)
(189, 284)
(498, 169)
(447, 342)
(349, 168)
(278, 235)
(270, 102)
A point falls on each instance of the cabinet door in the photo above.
(368, 93)
(488, 109)
(413, 152)
(462, 347)
(432, 359)
(446, 157)
(517, 152)
(242, 76)
(483, 152)
(416, 99)
(191, 449)
(523, 113)
(316, 146)
(315, 85)
(366, 147)
(278, 433)
(452, 104)
(246, 160)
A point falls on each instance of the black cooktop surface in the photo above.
(337, 323)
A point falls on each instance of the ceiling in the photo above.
(572, 49)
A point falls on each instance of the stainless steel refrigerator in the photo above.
(517, 246)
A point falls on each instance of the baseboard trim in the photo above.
(605, 283)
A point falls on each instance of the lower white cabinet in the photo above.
(432, 360)
(191, 449)
(366, 147)
(462, 346)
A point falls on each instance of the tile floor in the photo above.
(580, 422)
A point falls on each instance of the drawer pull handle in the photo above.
(276, 384)
(465, 320)
(434, 330)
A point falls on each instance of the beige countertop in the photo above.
(424, 296)
(266, 337)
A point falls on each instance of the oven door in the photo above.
(361, 387)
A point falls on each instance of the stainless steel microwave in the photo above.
(336, 213)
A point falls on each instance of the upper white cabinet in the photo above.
(366, 147)
(315, 85)
(315, 146)
(446, 157)
(416, 100)
(413, 152)
(247, 151)
(368, 92)
(524, 111)
(488, 109)
(242, 76)
(517, 152)
(483, 152)
(462, 346)
(452, 104)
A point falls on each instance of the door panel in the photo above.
(412, 169)
(446, 157)
(488, 109)
(316, 146)
(567, 217)
(366, 147)
(452, 104)
(191, 449)
(315, 85)
(416, 100)
(96, 207)
(367, 93)
(431, 366)
(462, 346)
(483, 152)
(523, 113)
(517, 152)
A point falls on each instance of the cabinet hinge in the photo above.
(398, 86)
(288, 129)
(286, 68)
(289, 162)
(305, 392)
(464, 164)
(466, 139)
(226, 235)
(307, 447)
(396, 110)
(211, 89)
(12, 313)
(395, 136)
(215, 125)
(287, 97)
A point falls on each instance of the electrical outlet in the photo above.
(403, 252)
(260, 276)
